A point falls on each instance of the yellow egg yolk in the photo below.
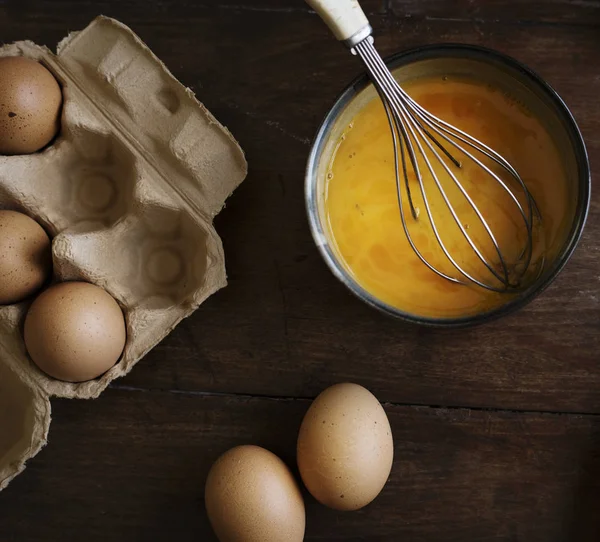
(364, 216)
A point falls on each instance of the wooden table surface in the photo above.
(496, 428)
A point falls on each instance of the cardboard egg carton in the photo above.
(128, 192)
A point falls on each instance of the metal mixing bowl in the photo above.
(503, 72)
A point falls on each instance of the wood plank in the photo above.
(370, 7)
(284, 326)
(132, 466)
(547, 11)
(586, 12)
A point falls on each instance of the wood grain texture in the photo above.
(575, 12)
(131, 465)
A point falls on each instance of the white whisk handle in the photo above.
(345, 18)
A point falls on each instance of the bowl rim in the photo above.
(429, 52)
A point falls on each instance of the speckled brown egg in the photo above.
(25, 257)
(75, 331)
(30, 105)
(251, 496)
(345, 447)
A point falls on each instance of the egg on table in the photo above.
(30, 105)
(345, 447)
(25, 257)
(75, 331)
(251, 496)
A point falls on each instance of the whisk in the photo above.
(420, 136)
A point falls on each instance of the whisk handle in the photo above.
(345, 18)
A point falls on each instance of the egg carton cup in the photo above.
(128, 192)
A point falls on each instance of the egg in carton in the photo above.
(128, 192)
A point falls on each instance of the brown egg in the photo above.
(251, 496)
(75, 331)
(30, 105)
(345, 447)
(25, 257)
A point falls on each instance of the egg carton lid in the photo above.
(161, 120)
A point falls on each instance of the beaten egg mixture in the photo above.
(363, 212)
